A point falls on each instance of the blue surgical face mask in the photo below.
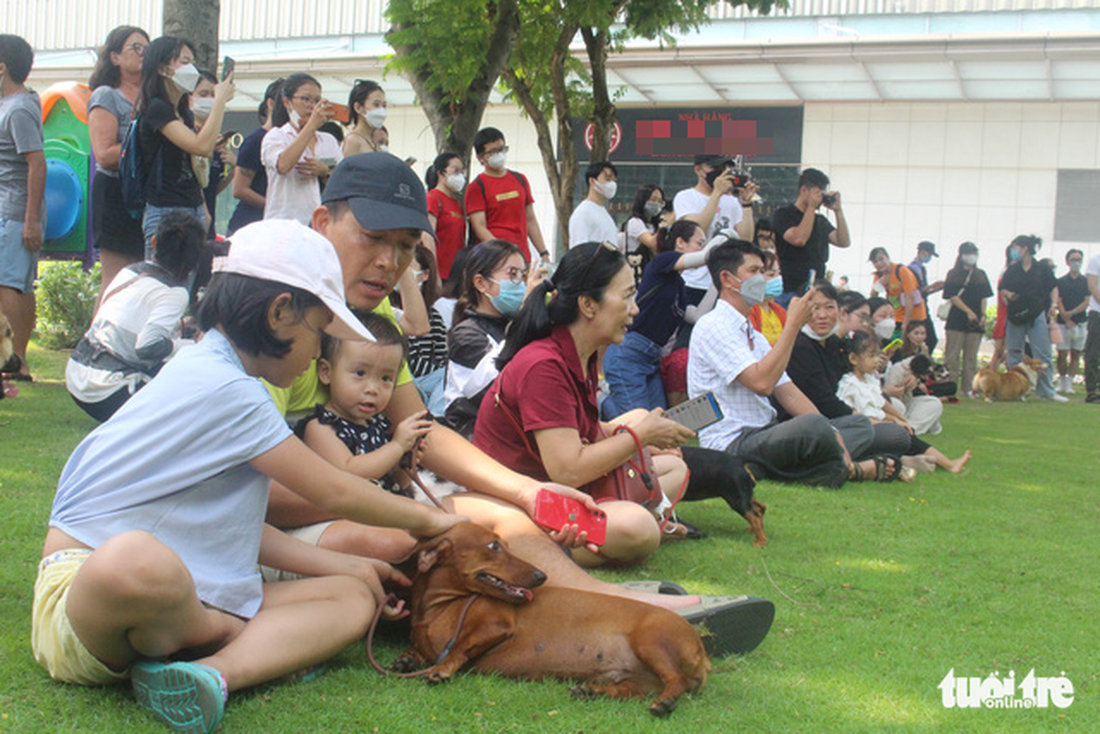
(774, 288)
(510, 298)
(1014, 255)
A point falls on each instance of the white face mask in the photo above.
(607, 189)
(1075, 266)
(186, 78)
(202, 106)
(456, 181)
(819, 337)
(295, 118)
(497, 161)
(885, 328)
(970, 259)
(376, 117)
(384, 148)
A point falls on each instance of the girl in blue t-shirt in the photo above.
(158, 526)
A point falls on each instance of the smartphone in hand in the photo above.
(697, 413)
(228, 64)
(554, 511)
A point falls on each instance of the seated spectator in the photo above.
(853, 312)
(541, 418)
(296, 154)
(641, 226)
(632, 366)
(446, 178)
(861, 390)
(913, 343)
(590, 221)
(903, 387)
(427, 356)
(765, 239)
(250, 176)
(768, 317)
(452, 286)
(135, 330)
(494, 286)
(729, 358)
(882, 319)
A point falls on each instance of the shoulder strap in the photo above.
(522, 180)
(498, 402)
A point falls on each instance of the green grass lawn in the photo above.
(880, 590)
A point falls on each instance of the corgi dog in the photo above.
(1013, 384)
(7, 356)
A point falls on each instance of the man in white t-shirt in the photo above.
(1092, 342)
(591, 222)
(715, 205)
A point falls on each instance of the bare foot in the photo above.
(958, 464)
(921, 462)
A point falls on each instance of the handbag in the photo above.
(944, 309)
(634, 481)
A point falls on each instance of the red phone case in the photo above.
(554, 511)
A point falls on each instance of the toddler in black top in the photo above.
(350, 430)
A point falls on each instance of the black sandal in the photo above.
(884, 471)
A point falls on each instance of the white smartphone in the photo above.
(699, 412)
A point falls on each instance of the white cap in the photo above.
(288, 252)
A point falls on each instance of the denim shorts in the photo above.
(18, 265)
(151, 220)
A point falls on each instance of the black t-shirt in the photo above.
(1032, 287)
(971, 294)
(249, 157)
(170, 181)
(796, 262)
(660, 299)
(816, 368)
(1073, 292)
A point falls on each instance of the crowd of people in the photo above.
(260, 400)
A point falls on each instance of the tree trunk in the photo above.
(454, 125)
(197, 22)
(603, 110)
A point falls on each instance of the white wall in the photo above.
(950, 172)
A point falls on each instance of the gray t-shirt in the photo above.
(20, 133)
(116, 103)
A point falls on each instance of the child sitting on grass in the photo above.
(350, 430)
(861, 390)
(158, 523)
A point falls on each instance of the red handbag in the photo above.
(635, 481)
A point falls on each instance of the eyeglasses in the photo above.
(306, 99)
(138, 48)
(595, 254)
(494, 151)
(515, 274)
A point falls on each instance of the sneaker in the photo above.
(1055, 397)
(187, 697)
(1094, 398)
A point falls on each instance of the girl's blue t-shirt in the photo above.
(173, 461)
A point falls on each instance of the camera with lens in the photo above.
(742, 174)
(828, 199)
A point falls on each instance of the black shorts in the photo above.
(112, 226)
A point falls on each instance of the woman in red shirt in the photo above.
(446, 178)
(548, 385)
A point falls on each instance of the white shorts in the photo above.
(1073, 337)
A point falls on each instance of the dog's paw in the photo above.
(583, 693)
(407, 663)
(663, 707)
(436, 677)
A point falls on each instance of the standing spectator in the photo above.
(218, 167)
(1002, 317)
(1092, 342)
(22, 190)
(167, 136)
(445, 212)
(367, 114)
(765, 235)
(925, 252)
(296, 154)
(842, 284)
(900, 287)
(1073, 300)
(591, 222)
(250, 176)
(641, 228)
(967, 288)
(116, 86)
(713, 203)
(803, 236)
(499, 201)
(1028, 288)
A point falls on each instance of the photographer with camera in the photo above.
(803, 236)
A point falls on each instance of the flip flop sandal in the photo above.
(186, 697)
(730, 625)
(884, 471)
(654, 587)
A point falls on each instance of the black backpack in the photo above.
(132, 171)
(471, 238)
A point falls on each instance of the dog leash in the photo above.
(443, 654)
(409, 465)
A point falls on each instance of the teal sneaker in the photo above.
(186, 697)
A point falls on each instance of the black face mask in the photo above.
(713, 176)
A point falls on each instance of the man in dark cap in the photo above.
(925, 252)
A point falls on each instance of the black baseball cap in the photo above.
(712, 160)
(927, 246)
(382, 191)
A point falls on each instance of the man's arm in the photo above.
(746, 228)
(761, 377)
(839, 236)
(415, 320)
(722, 186)
(36, 190)
(793, 400)
(533, 232)
(1094, 286)
(480, 227)
(800, 235)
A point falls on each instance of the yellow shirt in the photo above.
(307, 391)
(770, 325)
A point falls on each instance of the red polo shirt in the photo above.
(543, 387)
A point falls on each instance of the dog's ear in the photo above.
(428, 555)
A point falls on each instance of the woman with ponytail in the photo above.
(547, 386)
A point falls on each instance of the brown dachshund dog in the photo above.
(611, 646)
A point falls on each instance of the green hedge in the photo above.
(66, 298)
